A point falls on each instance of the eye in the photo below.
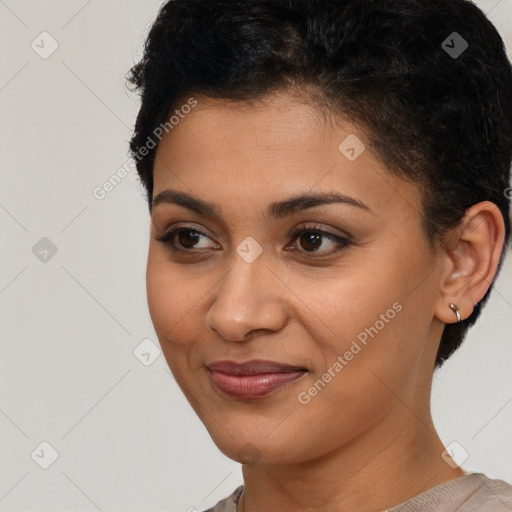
(317, 241)
(187, 238)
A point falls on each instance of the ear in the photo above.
(470, 258)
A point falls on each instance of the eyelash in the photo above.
(168, 239)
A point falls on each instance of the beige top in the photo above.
(470, 493)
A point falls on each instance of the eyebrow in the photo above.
(275, 211)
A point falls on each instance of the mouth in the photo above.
(252, 379)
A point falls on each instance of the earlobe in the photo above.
(450, 313)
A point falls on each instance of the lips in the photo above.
(254, 367)
(252, 379)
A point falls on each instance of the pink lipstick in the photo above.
(252, 379)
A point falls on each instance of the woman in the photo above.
(328, 190)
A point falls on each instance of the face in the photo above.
(339, 289)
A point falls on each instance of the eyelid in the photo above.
(176, 227)
(321, 228)
(170, 233)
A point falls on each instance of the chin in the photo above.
(256, 449)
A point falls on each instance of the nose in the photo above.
(249, 300)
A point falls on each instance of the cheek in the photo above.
(158, 293)
(341, 306)
(369, 317)
(379, 361)
(168, 296)
(168, 308)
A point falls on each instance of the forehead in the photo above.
(272, 123)
(254, 153)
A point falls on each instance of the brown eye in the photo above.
(188, 238)
(312, 240)
(183, 239)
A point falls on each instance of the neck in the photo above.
(374, 472)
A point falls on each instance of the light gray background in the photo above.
(125, 436)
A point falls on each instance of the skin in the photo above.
(366, 441)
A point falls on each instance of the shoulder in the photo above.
(474, 492)
(490, 496)
(228, 504)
